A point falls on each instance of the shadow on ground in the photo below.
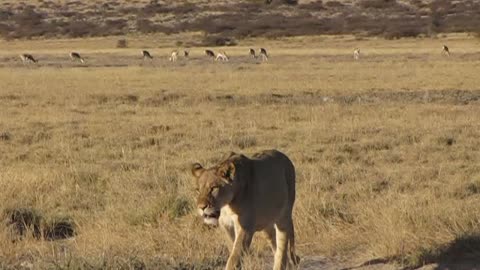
(461, 254)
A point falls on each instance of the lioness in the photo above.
(245, 195)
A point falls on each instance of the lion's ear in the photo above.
(197, 170)
(228, 155)
(227, 171)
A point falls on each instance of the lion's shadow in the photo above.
(462, 253)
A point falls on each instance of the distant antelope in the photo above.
(146, 55)
(210, 54)
(186, 53)
(173, 56)
(445, 50)
(356, 54)
(28, 58)
(263, 54)
(222, 56)
(253, 54)
(76, 57)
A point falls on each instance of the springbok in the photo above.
(210, 54)
(222, 56)
(356, 54)
(263, 54)
(253, 54)
(28, 58)
(173, 56)
(186, 53)
(76, 57)
(445, 50)
(146, 55)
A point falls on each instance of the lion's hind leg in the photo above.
(282, 237)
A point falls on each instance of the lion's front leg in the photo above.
(228, 224)
(242, 242)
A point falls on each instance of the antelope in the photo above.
(173, 56)
(222, 56)
(356, 54)
(186, 53)
(210, 54)
(146, 55)
(28, 58)
(252, 53)
(263, 54)
(445, 50)
(76, 57)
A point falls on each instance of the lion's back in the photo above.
(276, 172)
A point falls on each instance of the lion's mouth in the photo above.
(211, 218)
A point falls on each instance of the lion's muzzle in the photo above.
(210, 215)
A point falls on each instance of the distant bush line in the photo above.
(386, 18)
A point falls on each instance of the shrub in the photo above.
(122, 43)
(218, 41)
(379, 4)
(59, 228)
(23, 221)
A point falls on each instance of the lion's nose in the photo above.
(202, 206)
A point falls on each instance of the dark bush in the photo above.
(5, 15)
(287, 2)
(145, 26)
(403, 28)
(59, 228)
(122, 43)
(313, 6)
(24, 220)
(5, 136)
(377, 3)
(218, 41)
(334, 4)
(28, 18)
(79, 28)
(114, 27)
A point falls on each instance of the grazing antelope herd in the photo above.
(219, 56)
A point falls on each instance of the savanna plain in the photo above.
(386, 149)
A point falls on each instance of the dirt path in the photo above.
(322, 263)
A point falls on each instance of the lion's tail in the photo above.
(294, 259)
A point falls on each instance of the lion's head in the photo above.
(216, 187)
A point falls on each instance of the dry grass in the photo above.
(386, 148)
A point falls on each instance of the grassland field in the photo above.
(386, 148)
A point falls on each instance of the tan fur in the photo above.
(173, 56)
(222, 57)
(356, 54)
(246, 195)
